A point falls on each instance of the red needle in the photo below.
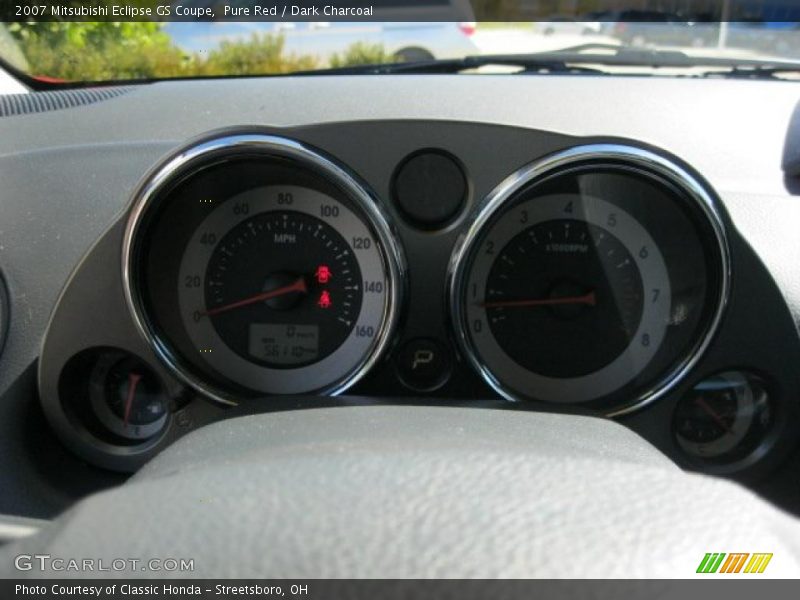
(298, 285)
(133, 381)
(585, 299)
(712, 413)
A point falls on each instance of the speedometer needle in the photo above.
(299, 285)
(588, 299)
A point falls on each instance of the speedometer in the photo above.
(274, 294)
(296, 309)
(595, 277)
(262, 267)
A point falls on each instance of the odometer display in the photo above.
(283, 344)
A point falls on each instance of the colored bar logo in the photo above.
(736, 562)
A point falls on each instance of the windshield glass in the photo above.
(228, 38)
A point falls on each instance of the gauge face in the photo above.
(723, 418)
(278, 292)
(583, 309)
(557, 301)
(127, 397)
(292, 309)
(592, 286)
(266, 275)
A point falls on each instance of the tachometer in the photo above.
(578, 309)
(592, 278)
(263, 267)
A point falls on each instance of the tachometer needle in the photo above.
(133, 382)
(588, 299)
(299, 285)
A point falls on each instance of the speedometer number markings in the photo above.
(273, 285)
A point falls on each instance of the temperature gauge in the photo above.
(724, 418)
(127, 397)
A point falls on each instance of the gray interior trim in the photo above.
(39, 102)
(397, 492)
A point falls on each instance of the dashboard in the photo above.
(186, 252)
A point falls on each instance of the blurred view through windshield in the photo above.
(105, 51)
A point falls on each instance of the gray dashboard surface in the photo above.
(424, 492)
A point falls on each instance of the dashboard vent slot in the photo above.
(38, 102)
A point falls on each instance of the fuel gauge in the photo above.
(127, 397)
(724, 418)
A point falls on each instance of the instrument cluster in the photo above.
(257, 268)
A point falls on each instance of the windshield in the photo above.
(228, 38)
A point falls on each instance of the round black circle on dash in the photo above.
(430, 188)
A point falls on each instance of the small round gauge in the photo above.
(589, 279)
(724, 418)
(261, 267)
(127, 397)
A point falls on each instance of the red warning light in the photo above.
(323, 274)
(324, 299)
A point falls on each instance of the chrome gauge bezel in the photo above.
(198, 156)
(643, 162)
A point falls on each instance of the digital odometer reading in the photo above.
(284, 344)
